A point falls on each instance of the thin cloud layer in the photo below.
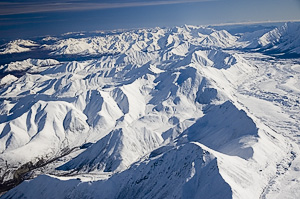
(33, 6)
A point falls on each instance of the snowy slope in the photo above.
(181, 112)
(283, 39)
(27, 64)
(116, 151)
(184, 172)
(8, 79)
(221, 39)
(18, 46)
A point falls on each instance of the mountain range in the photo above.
(182, 112)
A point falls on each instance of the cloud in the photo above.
(33, 6)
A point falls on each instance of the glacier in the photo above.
(182, 112)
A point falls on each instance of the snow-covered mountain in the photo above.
(183, 112)
(283, 39)
(27, 64)
(18, 46)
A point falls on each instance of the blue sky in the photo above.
(21, 19)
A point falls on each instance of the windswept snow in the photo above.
(183, 112)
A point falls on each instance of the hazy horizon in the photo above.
(21, 19)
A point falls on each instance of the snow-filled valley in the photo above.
(183, 112)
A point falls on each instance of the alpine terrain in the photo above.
(184, 112)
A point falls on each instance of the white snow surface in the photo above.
(178, 112)
(8, 79)
(18, 46)
(28, 64)
(284, 38)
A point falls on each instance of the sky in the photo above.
(29, 18)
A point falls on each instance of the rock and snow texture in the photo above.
(183, 112)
